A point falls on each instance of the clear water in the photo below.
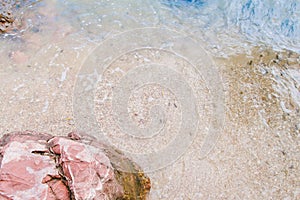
(223, 24)
(41, 64)
(268, 22)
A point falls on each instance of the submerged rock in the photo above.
(41, 166)
(7, 7)
(9, 10)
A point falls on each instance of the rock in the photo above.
(6, 17)
(8, 11)
(19, 57)
(87, 169)
(25, 162)
(41, 166)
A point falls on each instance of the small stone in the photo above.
(19, 57)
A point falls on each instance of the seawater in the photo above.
(268, 22)
(226, 26)
(40, 64)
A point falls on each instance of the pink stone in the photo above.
(57, 189)
(40, 166)
(86, 173)
(19, 57)
(22, 170)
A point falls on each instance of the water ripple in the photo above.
(273, 23)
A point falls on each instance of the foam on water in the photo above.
(270, 22)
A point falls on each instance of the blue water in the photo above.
(225, 26)
(274, 23)
(184, 3)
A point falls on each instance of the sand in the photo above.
(256, 155)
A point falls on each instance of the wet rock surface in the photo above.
(9, 9)
(40, 166)
(7, 17)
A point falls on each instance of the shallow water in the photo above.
(215, 83)
(272, 23)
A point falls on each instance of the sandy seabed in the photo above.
(256, 156)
